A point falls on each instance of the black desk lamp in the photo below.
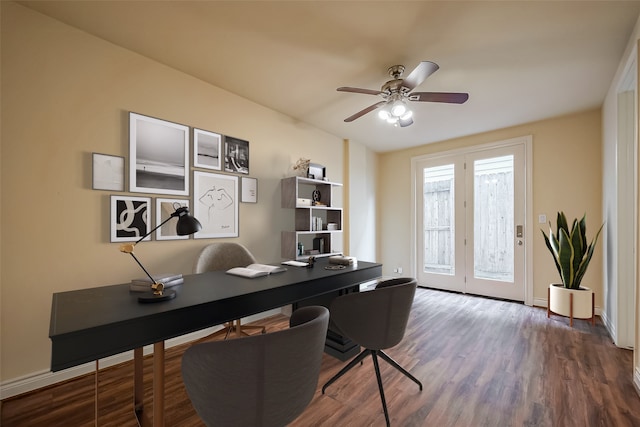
(186, 225)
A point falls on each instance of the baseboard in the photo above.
(46, 378)
(609, 326)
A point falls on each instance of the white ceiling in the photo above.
(519, 61)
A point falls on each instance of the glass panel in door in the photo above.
(493, 218)
(440, 240)
(439, 220)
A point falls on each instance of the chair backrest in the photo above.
(223, 256)
(261, 380)
(375, 319)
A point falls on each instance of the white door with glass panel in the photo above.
(470, 222)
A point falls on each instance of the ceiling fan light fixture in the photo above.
(398, 108)
(407, 115)
(384, 114)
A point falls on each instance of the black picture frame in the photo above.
(236, 155)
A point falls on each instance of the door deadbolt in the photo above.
(519, 229)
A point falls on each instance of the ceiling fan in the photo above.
(395, 94)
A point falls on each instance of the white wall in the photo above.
(362, 202)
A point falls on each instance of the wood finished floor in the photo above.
(482, 362)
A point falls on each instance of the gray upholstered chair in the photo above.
(262, 380)
(221, 257)
(375, 320)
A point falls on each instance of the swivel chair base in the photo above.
(374, 355)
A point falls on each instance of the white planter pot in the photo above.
(571, 303)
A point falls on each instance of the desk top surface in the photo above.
(85, 309)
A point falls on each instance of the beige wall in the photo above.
(66, 94)
(566, 176)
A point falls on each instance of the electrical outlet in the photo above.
(542, 219)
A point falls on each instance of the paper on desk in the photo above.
(295, 263)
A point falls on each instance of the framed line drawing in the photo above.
(249, 190)
(108, 172)
(236, 155)
(207, 149)
(130, 218)
(164, 209)
(158, 156)
(215, 204)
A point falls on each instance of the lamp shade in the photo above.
(187, 224)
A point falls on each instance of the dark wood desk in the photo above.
(90, 324)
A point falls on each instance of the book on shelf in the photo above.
(342, 260)
(316, 223)
(143, 284)
(256, 270)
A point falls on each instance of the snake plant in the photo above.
(570, 250)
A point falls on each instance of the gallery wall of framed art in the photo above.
(159, 164)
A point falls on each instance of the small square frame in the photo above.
(207, 149)
(130, 218)
(236, 155)
(164, 209)
(316, 171)
(107, 172)
(249, 190)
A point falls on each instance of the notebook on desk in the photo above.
(256, 270)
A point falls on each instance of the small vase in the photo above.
(571, 303)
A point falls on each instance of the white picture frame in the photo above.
(249, 190)
(207, 150)
(130, 218)
(164, 209)
(107, 172)
(215, 204)
(158, 156)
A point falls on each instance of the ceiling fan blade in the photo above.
(365, 111)
(419, 74)
(358, 90)
(449, 97)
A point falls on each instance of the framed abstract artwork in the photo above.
(215, 204)
(108, 172)
(249, 190)
(158, 156)
(236, 155)
(130, 218)
(207, 149)
(164, 209)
